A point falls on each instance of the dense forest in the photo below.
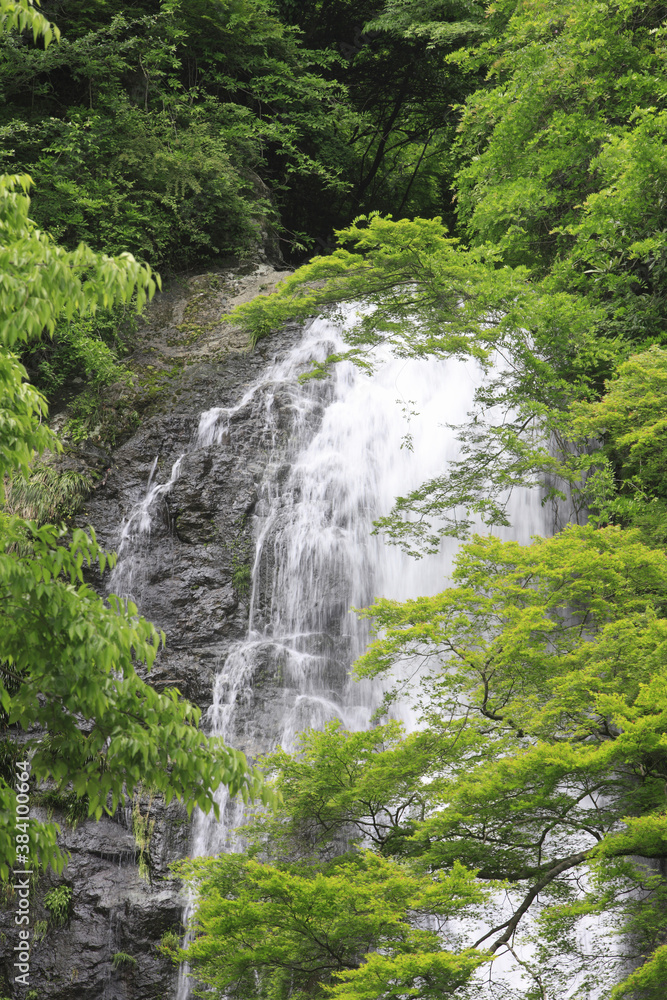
(492, 180)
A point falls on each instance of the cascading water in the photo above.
(347, 455)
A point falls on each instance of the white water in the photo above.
(315, 557)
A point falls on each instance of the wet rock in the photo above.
(117, 913)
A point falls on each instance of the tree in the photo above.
(266, 931)
(540, 673)
(406, 96)
(563, 156)
(561, 192)
(23, 15)
(69, 686)
(539, 768)
(630, 416)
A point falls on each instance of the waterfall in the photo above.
(340, 451)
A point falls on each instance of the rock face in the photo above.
(106, 948)
(190, 578)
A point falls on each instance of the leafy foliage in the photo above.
(561, 192)
(145, 133)
(539, 673)
(563, 156)
(404, 95)
(47, 495)
(539, 767)
(538, 771)
(58, 902)
(171, 112)
(23, 15)
(123, 179)
(71, 670)
(631, 415)
(121, 959)
(86, 348)
(279, 932)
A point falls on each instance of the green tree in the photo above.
(630, 415)
(147, 129)
(561, 192)
(23, 15)
(393, 62)
(540, 673)
(539, 766)
(280, 932)
(563, 156)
